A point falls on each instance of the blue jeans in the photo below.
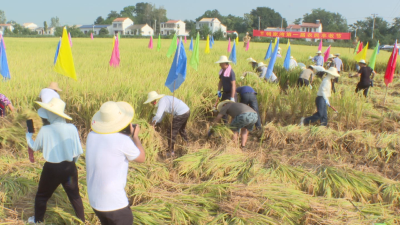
(250, 99)
(321, 114)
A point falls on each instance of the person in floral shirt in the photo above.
(4, 102)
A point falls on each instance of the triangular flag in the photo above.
(185, 39)
(320, 46)
(356, 49)
(115, 57)
(272, 61)
(286, 63)
(177, 73)
(391, 67)
(237, 39)
(269, 51)
(362, 54)
(232, 56)
(114, 42)
(191, 45)
(65, 62)
(360, 47)
(372, 60)
(326, 53)
(173, 46)
(57, 50)
(159, 43)
(151, 42)
(119, 37)
(91, 36)
(247, 45)
(229, 45)
(207, 50)
(4, 69)
(70, 40)
(195, 60)
(211, 42)
(288, 43)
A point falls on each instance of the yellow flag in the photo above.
(276, 40)
(362, 54)
(65, 63)
(207, 45)
(237, 39)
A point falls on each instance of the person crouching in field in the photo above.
(61, 148)
(248, 96)
(263, 73)
(366, 75)
(111, 144)
(322, 100)
(4, 103)
(253, 63)
(306, 77)
(174, 106)
(243, 120)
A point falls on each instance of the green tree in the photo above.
(99, 20)
(45, 26)
(3, 18)
(111, 17)
(331, 22)
(218, 35)
(204, 31)
(211, 14)
(128, 11)
(268, 18)
(103, 31)
(75, 32)
(55, 22)
(297, 21)
(143, 12)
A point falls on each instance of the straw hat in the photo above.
(333, 71)
(279, 52)
(223, 59)
(362, 61)
(279, 48)
(310, 58)
(56, 106)
(112, 117)
(337, 54)
(221, 104)
(291, 57)
(260, 64)
(151, 96)
(319, 52)
(331, 56)
(251, 60)
(54, 86)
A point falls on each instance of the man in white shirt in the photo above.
(174, 106)
(322, 100)
(318, 59)
(61, 148)
(338, 63)
(109, 148)
(263, 68)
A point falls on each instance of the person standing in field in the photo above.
(248, 96)
(180, 112)
(338, 63)
(243, 120)
(246, 39)
(227, 80)
(366, 75)
(263, 74)
(306, 77)
(322, 100)
(61, 149)
(4, 103)
(110, 146)
(318, 59)
(330, 62)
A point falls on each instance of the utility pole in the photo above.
(155, 26)
(282, 24)
(259, 24)
(373, 25)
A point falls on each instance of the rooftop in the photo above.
(5, 25)
(173, 21)
(209, 19)
(94, 26)
(120, 19)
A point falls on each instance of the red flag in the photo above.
(360, 47)
(391, 67)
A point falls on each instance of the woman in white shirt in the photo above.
(109, 148)
(61, 148)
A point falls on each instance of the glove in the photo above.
(310, 86)
(327, 102)
(219, 94)
(232, 99)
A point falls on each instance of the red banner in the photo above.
(310, 35)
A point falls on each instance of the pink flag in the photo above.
(1, 36)
(320, 46)
(229, 45)
(391, 67)
(70, 40)
(326, 54)
(185, 39)
(91, 36)
(115, 59)
(248, 46)
(177, 41)
(151, 42)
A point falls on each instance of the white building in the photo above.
(86, 29)
(173, 26)
(306, 27)
(139, 29)
(30, 26)
(120, 25)
(4, 27)
(41, 31)
(273, 29)
(213, 23)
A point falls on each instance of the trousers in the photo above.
(118, 217)
(302, 82)
(178, 126)
(321, 114)
(363, 87)
(250, 99)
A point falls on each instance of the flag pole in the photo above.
(384, 99)
(172, 120)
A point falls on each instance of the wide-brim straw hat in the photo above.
(221, 104)
(362, 61)
(251, 60)
(260, 64)
(331, 56)
(56, 106)
(54, 86)
(319, 52)
(112, 117)
(152, 96)
(223, 59)
(333, 71)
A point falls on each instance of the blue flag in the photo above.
(57, 50)
(4, 70)
(269, 51)
(191, 45)
(286, 63)
(232, 56)
(273, 60)
(177, 73)
(211, 41)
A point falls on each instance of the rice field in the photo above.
(347, 173)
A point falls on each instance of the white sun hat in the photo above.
(112, 117)
(291, 57)
(331, 56)
(362, 61)
(319, 52)
(260, 64)
(151, 96)
(251, 60)
(333, 71)
(56, 106)
(223, 59)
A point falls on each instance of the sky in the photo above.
(84, 12)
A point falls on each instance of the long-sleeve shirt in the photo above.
(325, 88)
(338, 63)
(164, 105)
(270, 78)
(292, 64)
(319, 60)
(58, 141)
